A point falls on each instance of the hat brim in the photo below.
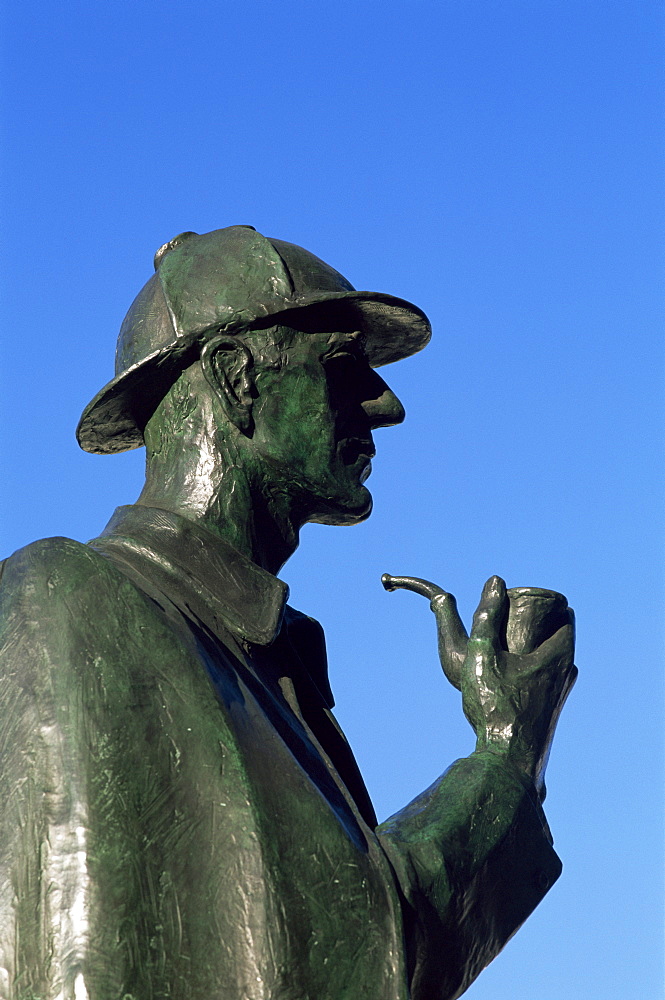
(114, 420)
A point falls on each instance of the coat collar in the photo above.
(214, 580)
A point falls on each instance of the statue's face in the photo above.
(313, 426)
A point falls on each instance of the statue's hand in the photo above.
(513, 700)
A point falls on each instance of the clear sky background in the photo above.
(498, 163)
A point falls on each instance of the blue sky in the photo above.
(498, 163)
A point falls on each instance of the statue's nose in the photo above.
(383, 407)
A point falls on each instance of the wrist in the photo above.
(516, 753)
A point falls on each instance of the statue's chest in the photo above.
(263, 877)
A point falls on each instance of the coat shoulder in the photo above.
(59, 564)
(47, 556)
(57, 582)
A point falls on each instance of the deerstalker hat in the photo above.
(229, 281)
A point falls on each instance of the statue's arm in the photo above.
(473, 854)
(474, 857)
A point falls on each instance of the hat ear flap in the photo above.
(228, 364)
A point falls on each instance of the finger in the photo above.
(571, 621)
(559, 646)
(453, 639)
(555, 655)
(558, 654)
(491, 613)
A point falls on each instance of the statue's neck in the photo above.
(231, 506)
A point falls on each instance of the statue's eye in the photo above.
(346, 359)
(343, 357)
(346, 375)
(343, 368)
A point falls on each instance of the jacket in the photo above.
(182, 816)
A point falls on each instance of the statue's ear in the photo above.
(228, 367)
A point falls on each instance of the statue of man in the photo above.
(181, 815)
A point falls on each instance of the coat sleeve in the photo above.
(473, 856)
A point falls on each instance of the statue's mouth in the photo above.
(353, 450)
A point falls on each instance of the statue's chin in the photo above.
(341, 514)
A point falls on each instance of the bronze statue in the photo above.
(181, 815)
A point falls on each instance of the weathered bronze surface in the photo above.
(181, 815)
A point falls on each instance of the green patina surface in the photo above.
(182, 817)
